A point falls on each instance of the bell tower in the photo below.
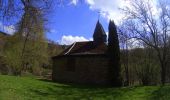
(99, 35)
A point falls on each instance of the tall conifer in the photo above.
(114, 55)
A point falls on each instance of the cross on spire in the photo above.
(99, 12)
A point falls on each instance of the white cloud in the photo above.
(90, 2)
(53, 31)
(74, 2)
(91, 39)
(8, 29)
(69, 39)
(109, 9)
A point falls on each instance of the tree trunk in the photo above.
(126, 68)
(163, 73)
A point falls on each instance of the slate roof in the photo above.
(85, 48)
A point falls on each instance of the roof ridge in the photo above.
(70, 48)
(83, 41)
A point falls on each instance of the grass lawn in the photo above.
(25, 88)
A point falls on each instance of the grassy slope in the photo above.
(24, 88)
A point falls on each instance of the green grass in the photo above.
(25, 88)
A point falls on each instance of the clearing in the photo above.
(27, 88)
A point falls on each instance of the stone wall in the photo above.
(88, 70)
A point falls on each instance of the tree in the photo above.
(12, 55)
(151, 28)
(125, 53)
(29, 37)
(31, 32)
(114, 55)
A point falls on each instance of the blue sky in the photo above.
(76, 20)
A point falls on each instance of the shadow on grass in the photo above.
(73, 91)
(45, 80)
(162, 93)
(77, 93)
(76, 85)
(81, 85)
(88, 92)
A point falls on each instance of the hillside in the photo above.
(54, 48)
(26, 88)
(2, 37)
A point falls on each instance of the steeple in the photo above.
(99, 35)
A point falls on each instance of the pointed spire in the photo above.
(99, 35)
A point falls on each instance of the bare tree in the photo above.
(127, 43)
(123, 37)
(150, 23)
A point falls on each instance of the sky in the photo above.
(75, 21)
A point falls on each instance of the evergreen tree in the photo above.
(114, 55)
